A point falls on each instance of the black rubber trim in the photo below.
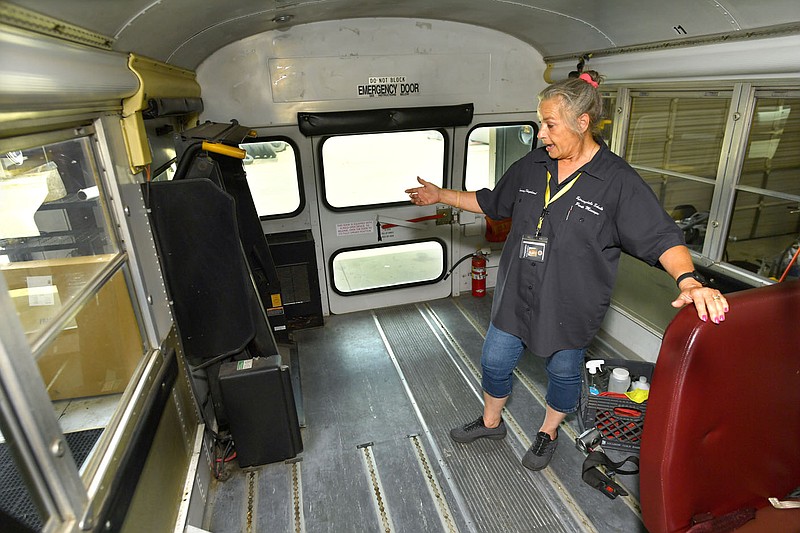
(172, 107)
(392, 119)
(383, 288)
(115, 508)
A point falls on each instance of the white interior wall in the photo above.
(266, 79)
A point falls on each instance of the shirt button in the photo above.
(530, 287)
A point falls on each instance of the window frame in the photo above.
(743, 115)
(298, 170)
(707, 255)
(118, 258)
(506, 123)
(734, 146)
(367, 207)
(385, 288)
(62, 490)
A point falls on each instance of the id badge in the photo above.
(533, 248)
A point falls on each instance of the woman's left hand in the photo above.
(710, 303)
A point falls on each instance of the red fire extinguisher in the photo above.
(478, 275)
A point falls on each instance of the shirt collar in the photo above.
(595, 168)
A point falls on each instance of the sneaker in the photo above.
(476, 430)
(542, 449)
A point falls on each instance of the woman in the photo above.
(575, 206)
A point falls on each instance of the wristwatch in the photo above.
(694, 274)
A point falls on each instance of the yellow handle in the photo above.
(224, 149)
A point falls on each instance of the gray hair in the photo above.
(577, 96)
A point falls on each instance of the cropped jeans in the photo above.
(501, 352)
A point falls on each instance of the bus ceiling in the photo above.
(177, 33)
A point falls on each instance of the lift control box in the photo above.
(261, 411)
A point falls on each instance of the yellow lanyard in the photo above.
(548, 200)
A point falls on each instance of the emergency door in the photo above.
(379, 249)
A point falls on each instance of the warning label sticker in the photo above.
(387, 86)
(355, 228)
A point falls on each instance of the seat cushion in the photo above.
(722, 430)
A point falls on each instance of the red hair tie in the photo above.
(588, 79)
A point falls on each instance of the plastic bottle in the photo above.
(602, 379)
(595, 375)
(641, 383)
(620, 380)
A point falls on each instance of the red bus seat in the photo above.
(722, 430)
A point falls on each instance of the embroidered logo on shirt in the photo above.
(528, 191)
(588, 205)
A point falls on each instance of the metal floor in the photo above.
(380, 392)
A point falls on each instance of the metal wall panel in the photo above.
(259, 80)
(736, 60)
(39, 74)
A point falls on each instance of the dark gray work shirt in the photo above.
(560, 303)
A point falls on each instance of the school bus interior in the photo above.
(220, 312)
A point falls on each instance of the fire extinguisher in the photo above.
(478, 275)
(478, 272)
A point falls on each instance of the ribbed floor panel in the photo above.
(381, 391)
(499, 493)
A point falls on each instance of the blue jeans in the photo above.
(501, 352)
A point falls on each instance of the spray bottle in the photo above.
(595, 375)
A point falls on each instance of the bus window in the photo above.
(675, 142)
(54, 230)
(271, 167)
(387, 266)
(66, 276)
(492, 149)
(95, 354)
(763, 234)
(606, 125)
(372, 169)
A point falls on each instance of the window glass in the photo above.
(772, 157)
(681, 134)
(272, 176)
(85, 370)
(388, 266)
(763, 235)
(97, 351)
(675, 144)
(54, 229)
(376, 168)
(764, 228)
(57, 243)
(492, 149)
(56, 239)
(675, 191)
(606, 125)
(687, 201)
